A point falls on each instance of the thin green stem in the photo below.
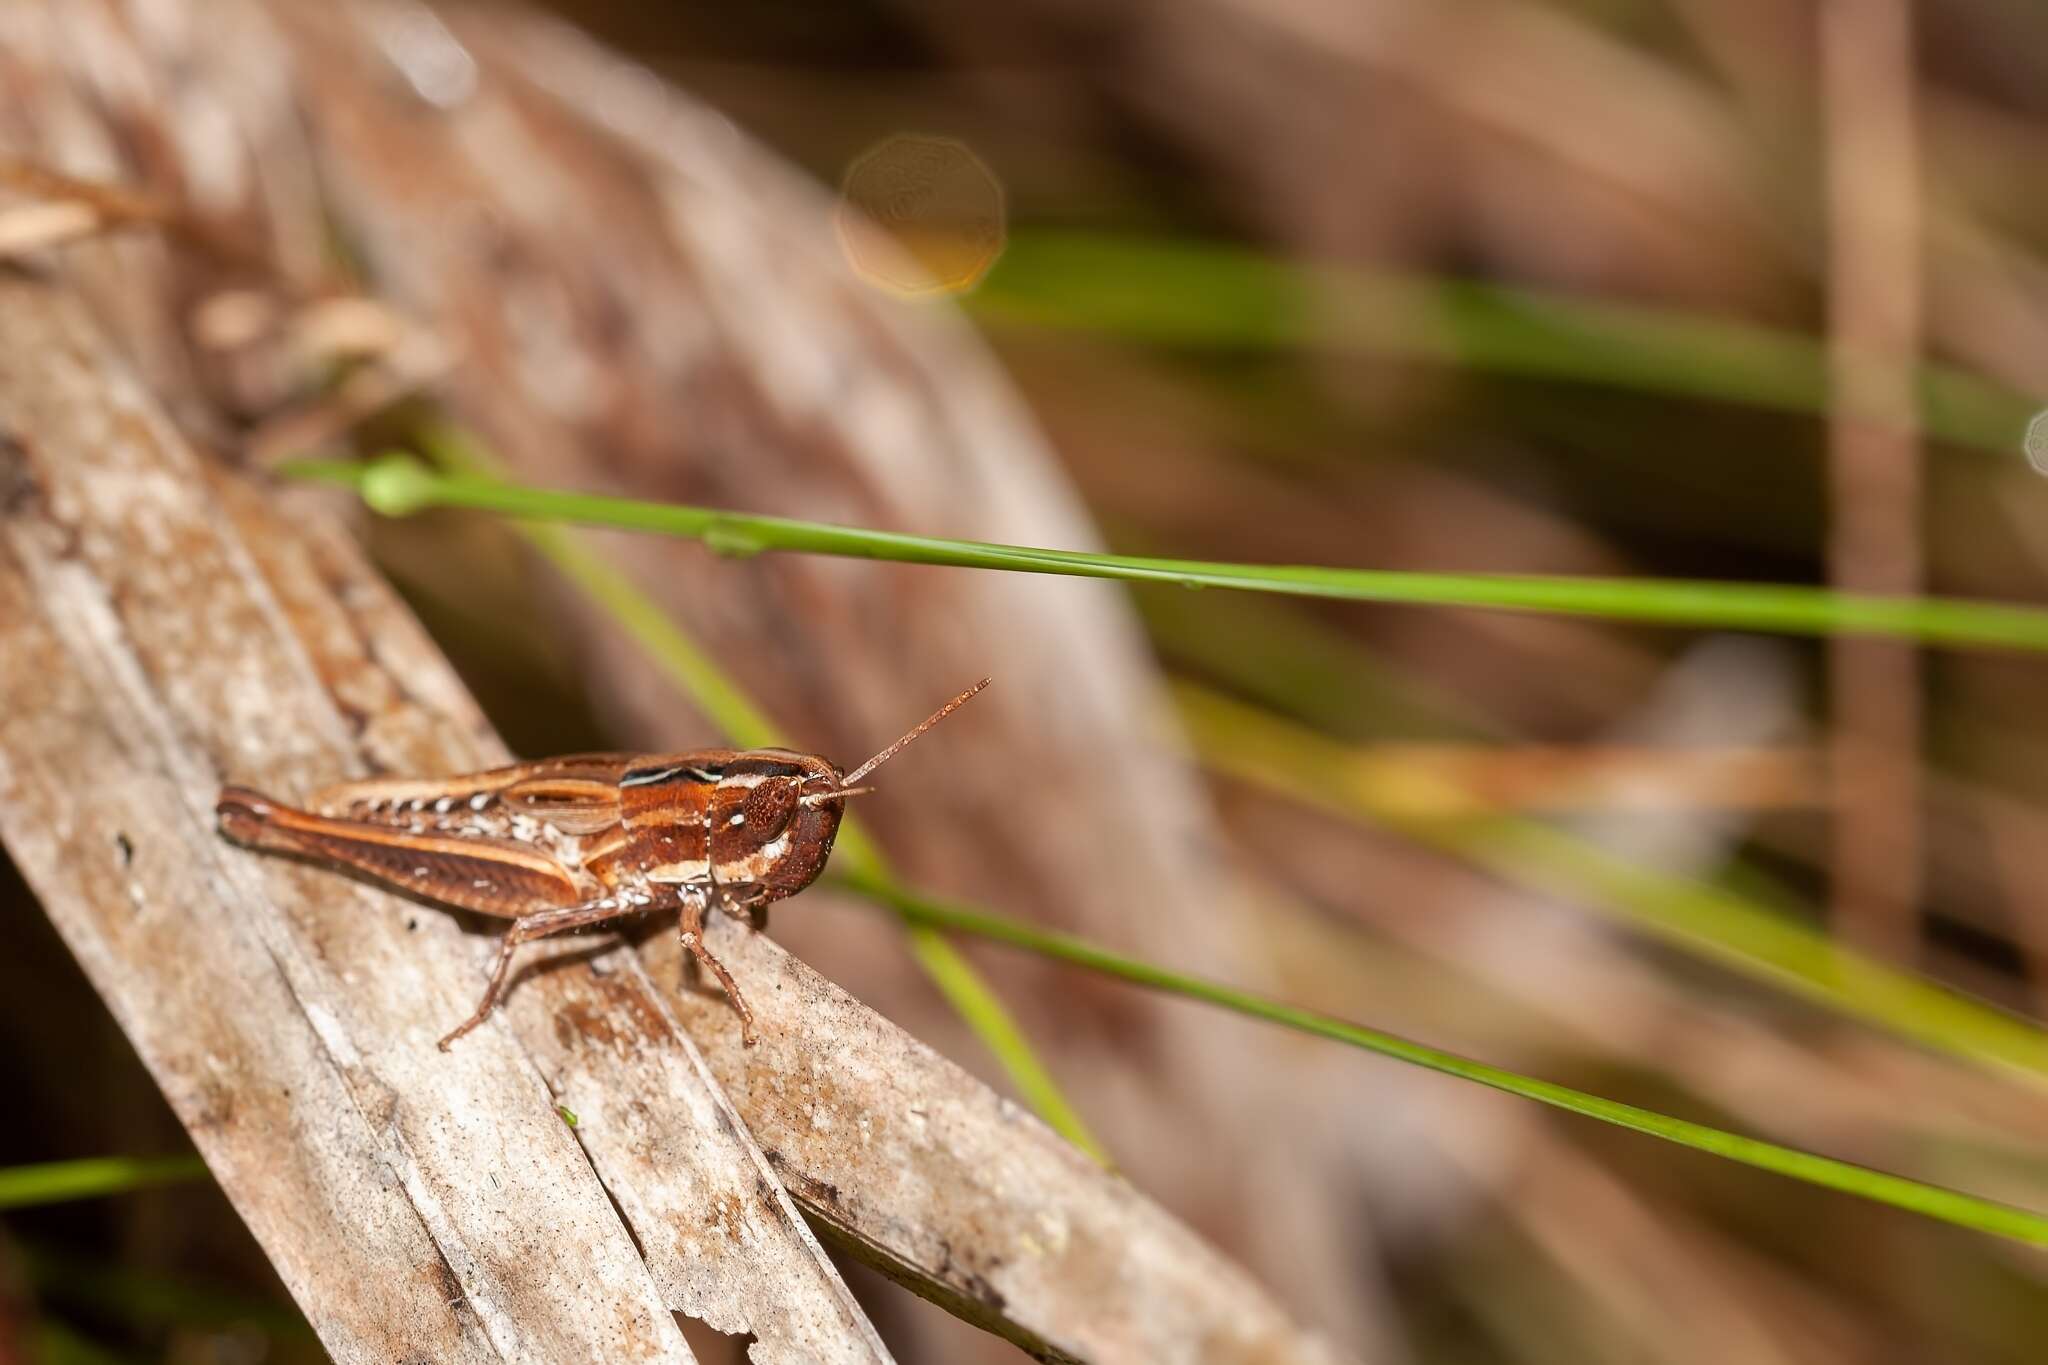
(1946, 1205)
(54, 1182)
(398, 485)
(700, 678)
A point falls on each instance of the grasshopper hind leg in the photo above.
(541, 924)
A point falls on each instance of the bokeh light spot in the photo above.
(920, 215)
(2037, 442)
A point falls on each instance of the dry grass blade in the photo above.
(289, 1014)
(721, 1238)
(1875, 505)
(146, 673)
(420, 1202)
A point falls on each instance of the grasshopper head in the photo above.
(775, 813)
(772, 819)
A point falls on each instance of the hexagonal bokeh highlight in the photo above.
(2036, 444)
(920, 215)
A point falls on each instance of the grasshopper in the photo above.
(566, 843)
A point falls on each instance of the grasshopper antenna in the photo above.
(846, 783)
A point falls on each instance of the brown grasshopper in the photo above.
(565, 843)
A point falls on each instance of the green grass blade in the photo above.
(1255, 746)
(1946, 1205)
(1188, 294)
(92, 1177)
(399, 485)
(699, 677)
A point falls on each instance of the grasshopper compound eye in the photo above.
(769, 806)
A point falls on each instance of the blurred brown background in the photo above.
(1206, 203)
